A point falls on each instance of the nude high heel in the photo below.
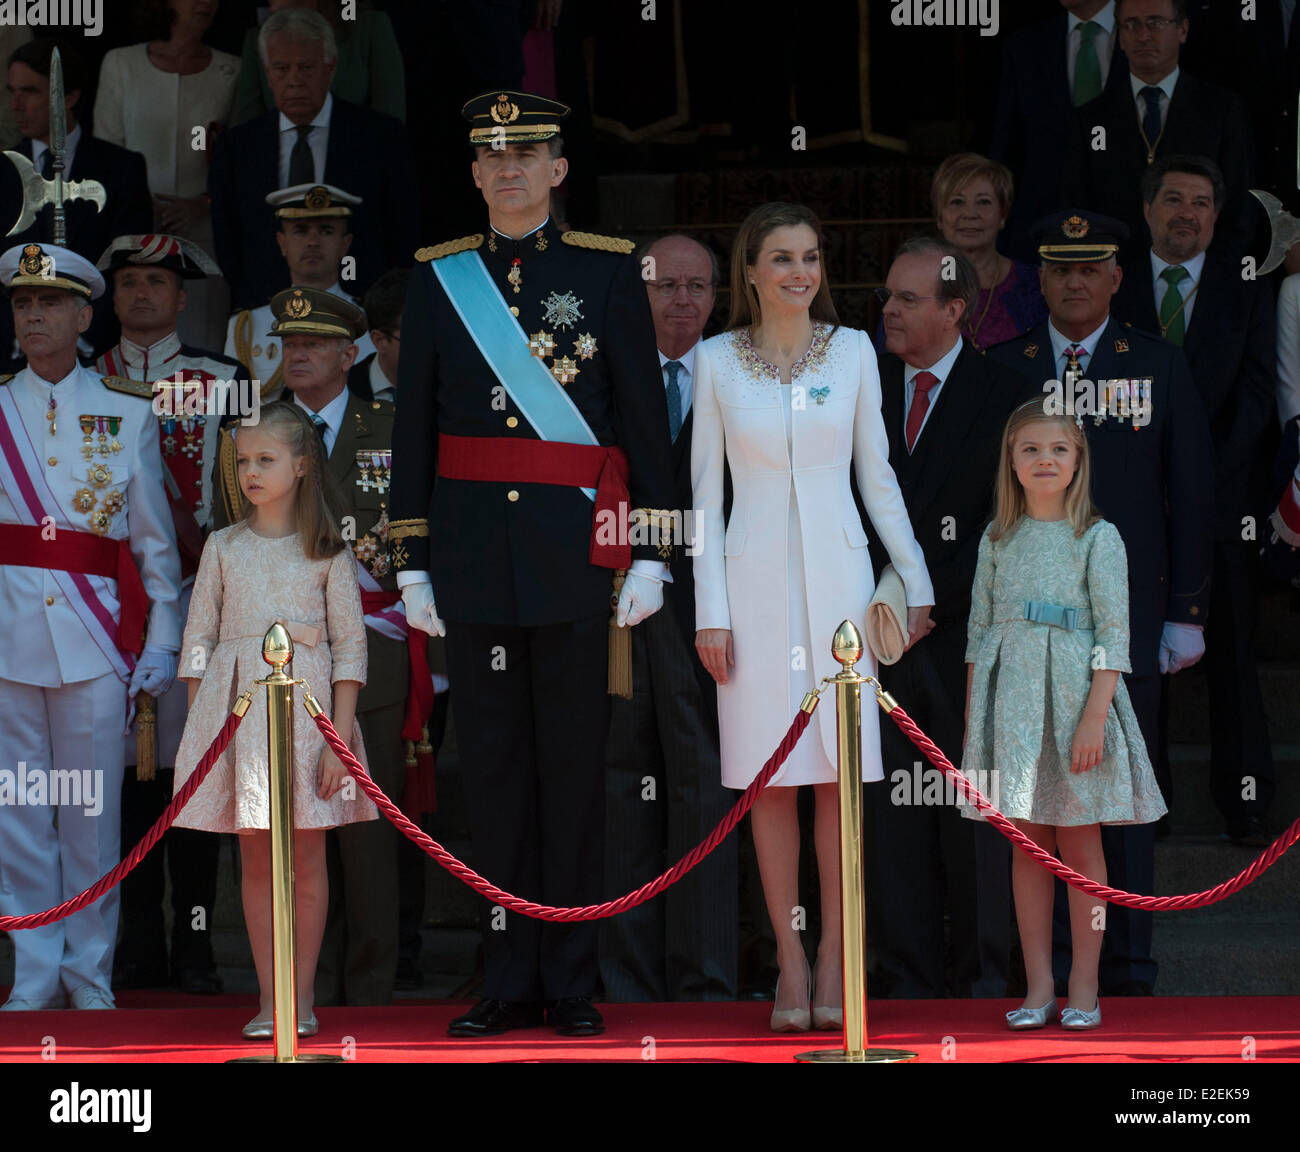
(791, 1019)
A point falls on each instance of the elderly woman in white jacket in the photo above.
(789, 400)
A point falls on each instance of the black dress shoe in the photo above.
(492, 1017)
(575, 1016)
(200, 981)
(1248, 831)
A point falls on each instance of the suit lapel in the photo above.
(1209, 302)
(352, 434)
(1142, 294)
(891, 409)
(682, 445)
(1103, 355)
(960, 400)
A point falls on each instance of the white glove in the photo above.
(642, 596)
(420, 612)
(1181, 646)
(154, 673)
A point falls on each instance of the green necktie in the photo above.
(1172, 320)
(1087, 72)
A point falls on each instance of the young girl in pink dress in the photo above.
(285, 561)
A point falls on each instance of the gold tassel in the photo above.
(146, 740)
(620, 646)
(410, 753)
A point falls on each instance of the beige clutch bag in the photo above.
(887, 618)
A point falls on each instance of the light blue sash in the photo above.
(503, 344)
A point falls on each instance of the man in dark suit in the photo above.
(528, 387)
(127, 207)
(374, 377)
(944, 407)
(663, 779)
(1225, 326)
(1160, 110)
(318, 331)
(1036, 96)
(309, 138)
(1152, 477)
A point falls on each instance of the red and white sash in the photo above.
(92, 598)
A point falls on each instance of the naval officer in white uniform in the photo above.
(89, 580)
(314, 238)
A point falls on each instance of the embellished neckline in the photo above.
(743, 342)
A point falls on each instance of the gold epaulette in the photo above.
(599, 243)
(130, 387)
(6, 378)
(449, 247)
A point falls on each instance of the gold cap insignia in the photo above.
(1075, 227)
(504, 112)
(317, 199)
(34, 261)
(297, 306)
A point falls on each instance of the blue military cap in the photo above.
(1076, 236)
(514, 117)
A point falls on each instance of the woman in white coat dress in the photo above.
(788, 399)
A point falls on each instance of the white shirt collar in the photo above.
(686, 359)
(519, 239)
(332, 413)
(320, 120)
(1060, 343)
(39, 148)
(1105, 19)
(1166, 86)
(939, 369)
(379, 383)
(1194, 266)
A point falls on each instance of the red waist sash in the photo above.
(23, 545)
(509, 460)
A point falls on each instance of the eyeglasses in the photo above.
(668, 288)
(1154, 24)
(906, 299)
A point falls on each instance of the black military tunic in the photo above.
(526, 611)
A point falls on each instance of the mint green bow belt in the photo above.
(1042, 612)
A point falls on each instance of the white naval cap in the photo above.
(50, 266)
(303, 201)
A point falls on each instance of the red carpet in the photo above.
(164, 1027)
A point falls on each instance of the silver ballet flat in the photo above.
(1077, 1020)
(308, 1027)
(1023, 1019)
(260, 1028)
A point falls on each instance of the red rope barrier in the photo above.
(1069, 875)
(138, 853)
(486, 888)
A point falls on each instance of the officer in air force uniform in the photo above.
(78, 455)
(1152, 477)
(532, 419)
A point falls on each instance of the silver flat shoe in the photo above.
(308, 1027)
(1077, 1020)
(260, 1028)
(1023, 1019)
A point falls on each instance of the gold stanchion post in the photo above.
(277, 651)
(847, 648)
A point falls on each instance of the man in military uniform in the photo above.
(314, 237)
(193, 389)
(1152, 477)
(87, 550)
(529, 390)
(319, 332)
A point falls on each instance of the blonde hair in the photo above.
(319, 506)
(762, 221)
(960, 169)
(1009, 499)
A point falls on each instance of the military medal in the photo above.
(169, 439)
(50, 413)
(585, 346)
(562, 311)
(515, 276)
(114, 426)
(541, 344)
(193, 444)
(84, 500)
(564, 369)
(99, 476)
(87, 427)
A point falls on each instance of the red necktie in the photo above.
(922, 383)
